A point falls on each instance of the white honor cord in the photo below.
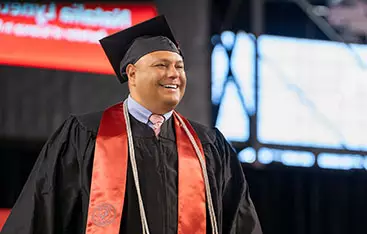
(143, 218)
(136, 177)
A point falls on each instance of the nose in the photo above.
(173, 73)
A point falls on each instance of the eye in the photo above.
(160, 65)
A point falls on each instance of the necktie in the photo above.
(157, 121)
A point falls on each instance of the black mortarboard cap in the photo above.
(127, 46)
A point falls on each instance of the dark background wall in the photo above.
(36, 101)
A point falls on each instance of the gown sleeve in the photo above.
(239, 214)
(48, 197)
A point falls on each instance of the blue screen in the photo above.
(312, 93)
(306, 104)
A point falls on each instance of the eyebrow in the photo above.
(168, 61)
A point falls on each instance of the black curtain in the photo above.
(304, 200)
(17, 158)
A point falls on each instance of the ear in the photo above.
(131, 71)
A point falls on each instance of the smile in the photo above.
(170, 86)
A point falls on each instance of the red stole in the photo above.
(109, 177)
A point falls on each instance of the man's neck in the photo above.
(141, 113)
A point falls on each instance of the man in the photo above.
(139, 166)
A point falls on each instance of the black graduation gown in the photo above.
(55, 198)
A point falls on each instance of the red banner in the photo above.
(64, 36)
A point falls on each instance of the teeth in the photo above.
(171, 86)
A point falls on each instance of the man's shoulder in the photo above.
(89, 121)
(206, 134)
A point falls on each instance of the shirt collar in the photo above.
(141, 113)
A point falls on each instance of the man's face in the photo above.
(158, 81)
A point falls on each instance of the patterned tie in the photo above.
(157, 121)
